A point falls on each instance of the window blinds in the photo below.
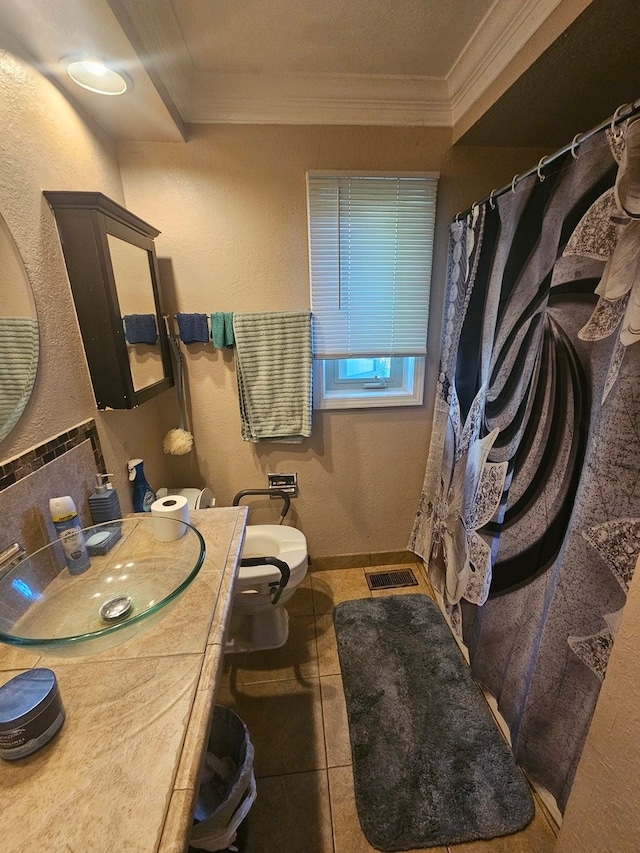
(370, 250)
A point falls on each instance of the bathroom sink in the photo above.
(45, 608)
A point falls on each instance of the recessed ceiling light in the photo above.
(95, 76)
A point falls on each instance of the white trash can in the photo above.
(227, 784)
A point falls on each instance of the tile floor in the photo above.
(293, 704)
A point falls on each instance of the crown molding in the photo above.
(494, 45)
(170, 92)
(318, 99)
(199, 96)
(155, 33)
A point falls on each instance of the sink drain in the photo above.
(116, 608)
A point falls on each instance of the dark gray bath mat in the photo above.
(430, 766)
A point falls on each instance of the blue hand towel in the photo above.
(222, 329)
(140, 329)
(193, 328)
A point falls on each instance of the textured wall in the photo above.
(231, 205)
(46, 144)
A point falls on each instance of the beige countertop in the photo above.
(121, 774)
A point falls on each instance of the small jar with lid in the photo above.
(31, 712)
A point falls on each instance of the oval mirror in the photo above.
(19, 339)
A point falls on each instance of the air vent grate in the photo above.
(390, 580)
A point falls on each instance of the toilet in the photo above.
(259, 620)
(256, 622)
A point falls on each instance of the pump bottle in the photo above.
(143, 494)
(104, 503)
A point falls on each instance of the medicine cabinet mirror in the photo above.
(19, 339)
(113, 271)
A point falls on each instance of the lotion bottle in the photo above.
(143, 494)
(67, 524)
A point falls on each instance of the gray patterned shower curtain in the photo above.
(529, 519)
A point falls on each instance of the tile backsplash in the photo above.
(63, 465)
(37, 457)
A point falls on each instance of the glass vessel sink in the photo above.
(45, 608)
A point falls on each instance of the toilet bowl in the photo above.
(259, 620)
(256, 622)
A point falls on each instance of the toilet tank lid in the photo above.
(196, 498)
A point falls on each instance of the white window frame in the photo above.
(406, 390)
(406, 386)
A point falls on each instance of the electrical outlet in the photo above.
(285, 483)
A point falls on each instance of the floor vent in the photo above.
(391, 580)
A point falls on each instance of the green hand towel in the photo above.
(222, 329)
(229, 339)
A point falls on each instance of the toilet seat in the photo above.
(268, 574)
(253, 583)
(270, 540)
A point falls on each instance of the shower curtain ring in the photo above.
(574, 145)
(513, 183)
(540, 175)
(616, 132)
(492, 203)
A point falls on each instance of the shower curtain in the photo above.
(529, 519)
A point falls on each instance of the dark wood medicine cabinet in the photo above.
(113, 270)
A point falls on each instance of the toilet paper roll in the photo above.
(166, 513)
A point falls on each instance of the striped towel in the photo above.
(273, 368)
(18, 364)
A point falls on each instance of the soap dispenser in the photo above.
(104, 502)
(143, 494)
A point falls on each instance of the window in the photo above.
(370, 248)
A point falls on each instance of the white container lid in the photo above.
(62, 508)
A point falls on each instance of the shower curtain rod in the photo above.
(623, 112)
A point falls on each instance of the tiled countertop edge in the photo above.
(177, 825)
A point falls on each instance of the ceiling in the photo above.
(469, 65)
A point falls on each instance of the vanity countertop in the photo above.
(121, 774)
